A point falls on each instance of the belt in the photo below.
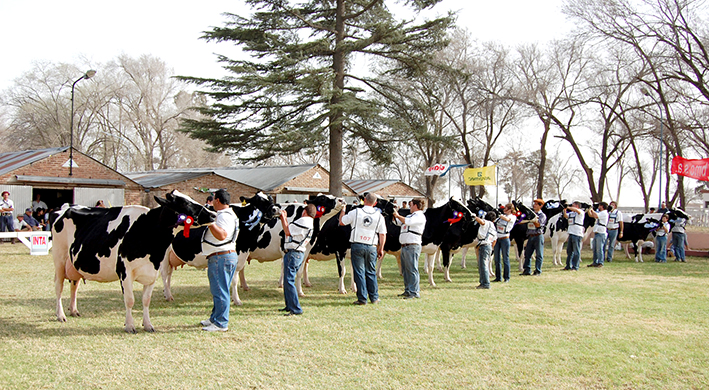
(412, 243)
(534, 234)
(613, 229)
(7, 213)
(221, 253)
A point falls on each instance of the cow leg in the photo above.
(166, 274)
(299, 279)
(73, 311)
(439, 262)
(463, 254)
(242, 279)
(379, 267)
(341, 271)
(627, 251)
(129, 301)
(306, 279)
(234, 290)
(430, 259)
(639, 250)
(147, 295)
(280, 280)
(59, 287)
(446, 262)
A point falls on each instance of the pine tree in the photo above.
(300, 90)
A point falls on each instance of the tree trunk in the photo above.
(543, 158)
(336, 130)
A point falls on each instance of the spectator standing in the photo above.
(367, 238)
(535, 239)
(38, 204)
(410, 239)
(7, 206)
(615, 228)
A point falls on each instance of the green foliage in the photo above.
(301, 81)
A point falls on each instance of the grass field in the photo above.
(625, 326)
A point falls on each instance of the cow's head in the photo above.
(523, 212)
(457, 211)
(184, 207)
(264, 203)
(325, 204)
(479, 207)
(677, 213)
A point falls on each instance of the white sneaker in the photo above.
(205, 322)
(214, 328)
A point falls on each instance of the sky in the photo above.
(79, 31)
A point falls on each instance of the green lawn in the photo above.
(627, 326)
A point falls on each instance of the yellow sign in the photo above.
(484, 176)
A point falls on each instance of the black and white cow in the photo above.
(469, 235)
(252, 213)
(636, 231)
(126, 243)
(333, 242)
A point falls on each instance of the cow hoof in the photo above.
(170, 298)
(280, 285)
(75, 314)
(342, 291)
(462, 267)
(449, 280)
(131, 330)
(238, 303)
(149, 329)
(61, 319)
(301, 295)
(247, 288)
(308, 284)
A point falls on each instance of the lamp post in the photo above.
(647, 93)
(89, 74)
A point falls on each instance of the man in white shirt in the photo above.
(487, 235)
(410, 239)
(573, 246)
(600, 233)
(220, 244)
(7, 206)
(679, 238)
(367, 245)
(504, 226)
(21, 225)
(615, 228)
(297, 235)
(38, 204)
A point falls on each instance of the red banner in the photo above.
(696, 169)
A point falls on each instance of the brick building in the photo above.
(28, 173)
(284, 183)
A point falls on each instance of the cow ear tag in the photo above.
(243, 203)
(188, 223)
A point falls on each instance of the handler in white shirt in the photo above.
(599, 238)
(487, 236)
(615, 228)
(410, 239)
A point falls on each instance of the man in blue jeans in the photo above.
(679, 239)
(535, 239)
(297, 235)
(600, 234)
(220, 243)
(573, 247)
(410, 239)
(368, 232)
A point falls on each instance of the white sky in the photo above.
(73, 30)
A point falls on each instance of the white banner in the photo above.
(436, 170)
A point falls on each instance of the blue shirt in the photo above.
(31, 221)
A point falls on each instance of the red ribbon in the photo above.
(457, 216)
(321, 211)
(188, 223)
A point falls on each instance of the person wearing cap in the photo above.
(615, 229)
(575, 215)
(7, 206)
(297, 234)
(535, 239)
(21, 225)
(600, 234)
(29, 219)
(410, 239)
(219, 243)
(501, 250)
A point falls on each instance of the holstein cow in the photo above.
(253, 213)
(469, 236)
(333, 242)
(119, 243)
(636, 232)
(271, 240)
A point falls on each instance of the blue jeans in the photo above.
(660, 249)
(678, 240)
(599, 243)
(7, 224)
(220, 270)
(502, 249)
(535, 244)
(610, 245)
(292, 261)
(573, 251)
(364, 268)
(410, 268)
(483, 260)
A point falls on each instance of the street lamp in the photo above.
(89, 74)
(647, 93)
